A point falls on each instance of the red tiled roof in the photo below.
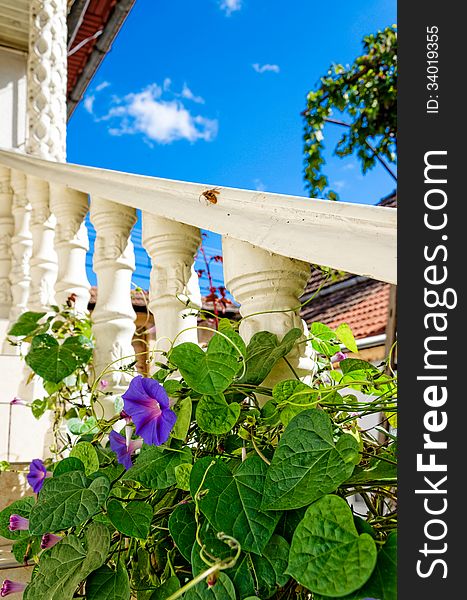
(362, 304)
(96, 16)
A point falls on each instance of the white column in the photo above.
(71, 244)
(43, 262)
(263, 282)
(174, 294)
(47, 74)
(6, 232)
(113, 316)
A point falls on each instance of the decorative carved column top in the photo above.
(47, 74)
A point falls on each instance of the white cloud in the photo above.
(188, 94)
(339, 184)
(230, 6)
(264, 68)
(159, 120)
(102, 86)
(349, 166)
(259, 185)
(88, 103)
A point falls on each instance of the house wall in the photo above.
(12, 98)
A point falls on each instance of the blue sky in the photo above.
(211, 91)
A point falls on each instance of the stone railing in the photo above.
(269, 241)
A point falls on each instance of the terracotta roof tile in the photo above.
(362, 304)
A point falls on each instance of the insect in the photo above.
(211, 195)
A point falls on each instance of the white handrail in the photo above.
(357, 238)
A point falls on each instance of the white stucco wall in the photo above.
(12, 98)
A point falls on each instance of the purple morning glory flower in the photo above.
(18, 523)
(49, 539)
(11, 587)
(338, 357)
(148, 405)
(37, 474)
(122, 449)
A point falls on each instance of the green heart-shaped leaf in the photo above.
(106, 584)
(53, 361)
(131, 518)
(327, 556)
(232, 500)
(307, 464)
(270, 568)
(292, 397)
(207, 372)
(63, 567)
(383, 581)
(169, 587)
(67, 500)
(182, 409)
(182, 527)
(214, 415)
(263, 352)
(87, 454)
(323, 339)
(26, 323)
(155, 466)
(345, 335)
(67, 465)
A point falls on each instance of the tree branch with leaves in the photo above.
(365, 92)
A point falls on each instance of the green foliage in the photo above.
(155, 467)
(130, 518)
(308, 463)
(64, 566)
(231, 500)
(214, 415)
(67, 500)
(54, 361)
(365, 92)
(327, 554)
(86, 453)
(248, 498)
(107, 584)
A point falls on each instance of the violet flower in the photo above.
(119, 445)
(18, 523)
(11, 587)
(338, 357)
(49, 539)
(148, 405)
(37, 474)
(17, 400)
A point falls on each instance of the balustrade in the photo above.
(43, 245)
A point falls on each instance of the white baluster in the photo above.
(71, 244)
(21, 246)
(263, 282)
(174, 284)
(6, 232)
(43, 263)
(113, 316)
